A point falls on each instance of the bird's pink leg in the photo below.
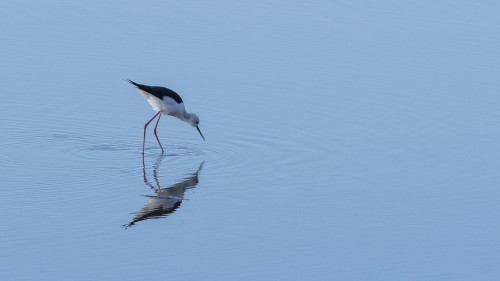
(145, 126)
(158, 121)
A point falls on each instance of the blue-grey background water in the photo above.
(346, 140)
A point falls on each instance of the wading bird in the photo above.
(165, 101)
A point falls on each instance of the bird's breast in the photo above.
(166, 105)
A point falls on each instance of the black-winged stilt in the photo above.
(165, 101)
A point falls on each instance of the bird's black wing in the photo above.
(157, 91)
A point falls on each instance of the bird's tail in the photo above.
(131, 82)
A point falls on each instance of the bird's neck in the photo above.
(186, 116)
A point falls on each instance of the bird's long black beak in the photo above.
(197, 128)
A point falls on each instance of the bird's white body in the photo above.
(167, 106)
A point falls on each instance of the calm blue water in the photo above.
(345, 141)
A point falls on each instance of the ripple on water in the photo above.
(89, 146)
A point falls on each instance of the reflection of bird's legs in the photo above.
(144, 174)
(155, 170)
(155, 173)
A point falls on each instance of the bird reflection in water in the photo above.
(164, 201)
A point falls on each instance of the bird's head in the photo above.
(194, 121)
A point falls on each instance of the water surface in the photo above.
(349, 141)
